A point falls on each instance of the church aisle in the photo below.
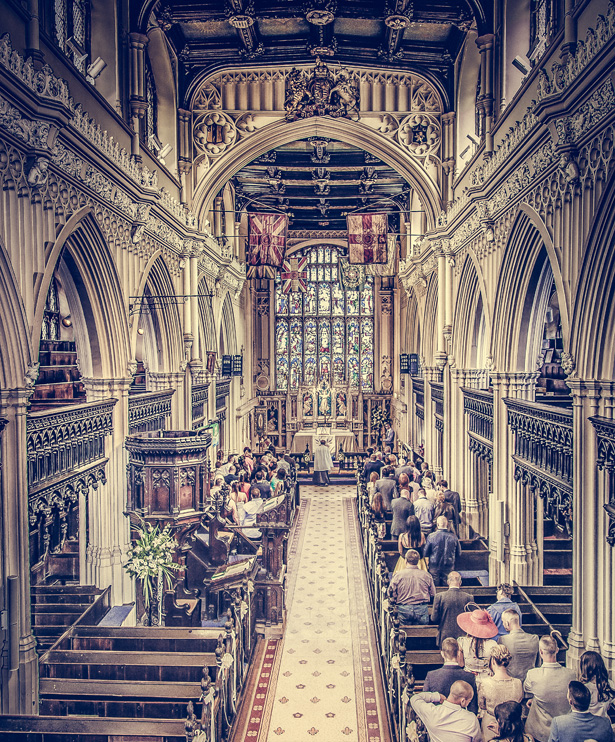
(328, 679)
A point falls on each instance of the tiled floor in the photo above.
(328, 684)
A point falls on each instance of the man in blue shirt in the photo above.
(580, 725)
(503, 603)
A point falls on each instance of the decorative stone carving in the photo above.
(321, 92)
(262, 306)
(567, 363)
(387, 304)
(214, 133)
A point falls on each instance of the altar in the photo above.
(333, 436)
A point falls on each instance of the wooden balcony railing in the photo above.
(149, 411)
(65, 439)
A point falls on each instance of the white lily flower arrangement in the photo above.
(151, 558)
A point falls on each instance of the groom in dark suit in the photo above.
(447, 606)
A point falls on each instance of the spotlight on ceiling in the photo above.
(140, 331)
(67, 321)
(521, 63)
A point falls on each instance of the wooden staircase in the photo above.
(56, 607)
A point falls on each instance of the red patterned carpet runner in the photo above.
(322, 681)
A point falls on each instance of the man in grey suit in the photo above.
(522, 646)
(547, 690)
(447, 606)
(387, 486)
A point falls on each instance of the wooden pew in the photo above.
(61, 729)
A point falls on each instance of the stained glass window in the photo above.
(327, 332)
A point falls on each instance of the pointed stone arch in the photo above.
(15, 350)
(592, 339)
(528, 269)
(430, 323)
(228, 329)
(163, 320)
(97, 299)
(472, 317)
(279, 133)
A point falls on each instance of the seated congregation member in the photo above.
(371, 486)
(442, 549)
(423, 509)
(441, 680)
(378, 510)
(262, 485)
(447, 719)
(402, 508)
(547, 688)
(478, 641)
(523, 647)
(580, 725)
(248, 512)
(411, 538)
(508, 725)
(496, 688)
(447, 606)
(448, 511)
(282, 476)
(503, 603)
(387, 486)
(593, 674)
(412, 590)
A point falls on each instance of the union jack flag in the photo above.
(367, 238)
(294, 275)
(267, 241)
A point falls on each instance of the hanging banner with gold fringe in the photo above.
(267, 240)
(367, 238)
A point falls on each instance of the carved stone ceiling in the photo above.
(420, 35)
(317, 182)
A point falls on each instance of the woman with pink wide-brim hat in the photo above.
(478, 642)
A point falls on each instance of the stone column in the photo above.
(138, 103)
(485, 47)
(108, 526)
(459, 472)
(430, 373)
(570, 30)
(508, 530)
(184, 161)
(587, 513)
(194, 303)
(19, 688)
(162, 380)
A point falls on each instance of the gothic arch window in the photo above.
(70, 28)
(326, 332)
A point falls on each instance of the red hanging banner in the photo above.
(367, 238)
(294, 275)
(267, 240)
